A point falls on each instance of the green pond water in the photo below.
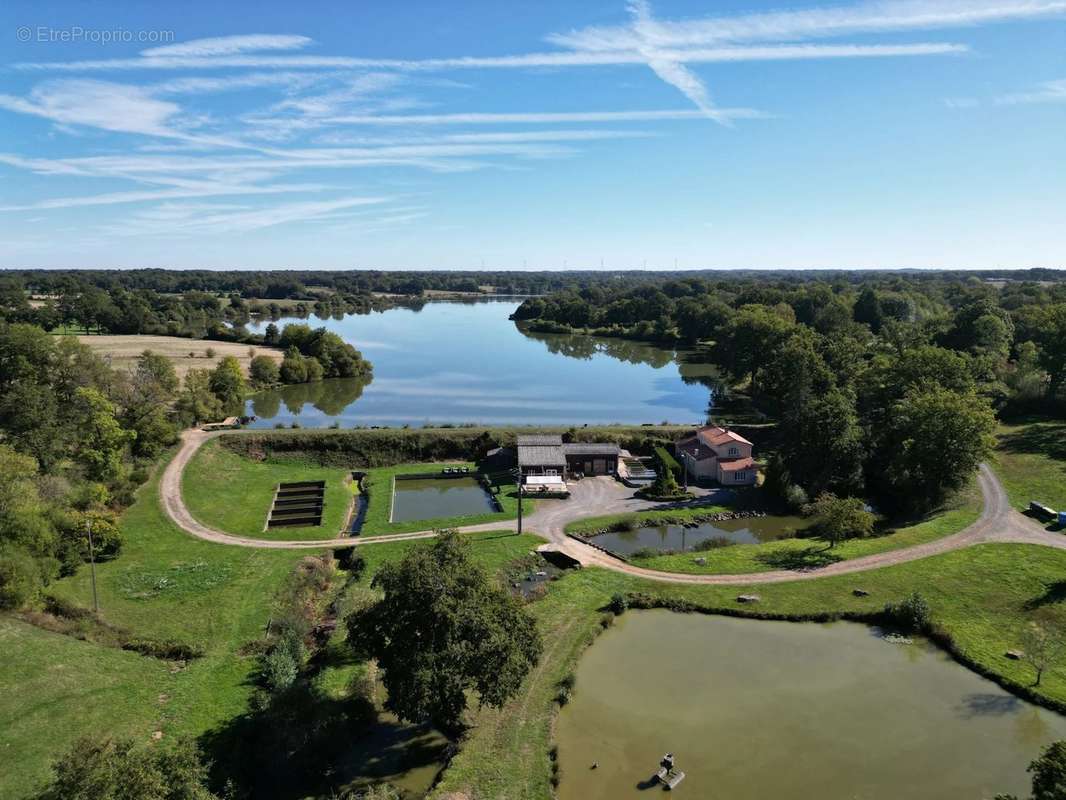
(434, 498)
(755, 710)
(677, 538)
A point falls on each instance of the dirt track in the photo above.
(597, 496)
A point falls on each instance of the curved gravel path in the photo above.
(598, 496)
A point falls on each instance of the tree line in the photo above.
(886, 389)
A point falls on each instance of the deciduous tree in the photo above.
(442, 629)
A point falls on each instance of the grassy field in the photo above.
(54, 688)
(1031, 462)
(165, 584)
(797, 553)
(982, 596)
(378, 485)
(185, 354)
(234, 494)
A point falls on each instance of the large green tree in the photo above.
(443, 629)
(100, 439)
(933, 442)
(1050, 336)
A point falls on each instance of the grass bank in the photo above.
(981, 597)
(1031, 463)
(797, 553)
(232, 493)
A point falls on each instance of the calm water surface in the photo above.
(434, 498)
(755, 710)
(467, 362)
(676, 538)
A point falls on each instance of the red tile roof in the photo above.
(714, 436)
(736, 464)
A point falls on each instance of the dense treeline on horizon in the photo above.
(885, 389)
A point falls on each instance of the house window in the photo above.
(741, 476)
(733, 451)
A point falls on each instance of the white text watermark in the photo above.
(76, 34)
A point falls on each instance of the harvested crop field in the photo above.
(185, 353)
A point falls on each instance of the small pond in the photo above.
(754, 710)
(677, 538)
(437, 498)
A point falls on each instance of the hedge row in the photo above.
(385, 447)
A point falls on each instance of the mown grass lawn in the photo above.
(54, 688)
(378, 486)
(798, 553)
(231, 493)
(1031, 462)
(983, 596)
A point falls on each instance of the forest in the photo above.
(885, 386)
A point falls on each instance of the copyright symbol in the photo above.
(23, 34)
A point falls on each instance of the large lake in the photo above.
(754, 710)
(467, 362)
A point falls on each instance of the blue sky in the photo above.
(742, 133)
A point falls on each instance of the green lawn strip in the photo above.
(982, 596)
(234, 494)
(1031, 462)
(963, 510)
(378, 487)
(55, 688)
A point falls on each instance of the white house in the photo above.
(719, 454)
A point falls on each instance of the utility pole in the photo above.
(518, 479)
(92, 565)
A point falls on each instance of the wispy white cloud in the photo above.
(227, 220)
(113, 198)
(539, 117)
(607, 57)
(228, 45)
(878, 16)
(98, 104)
(1048, 92)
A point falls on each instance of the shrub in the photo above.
(264, 371)
(619, 603)
(667, 462)
(20, 577)
(565, 689)
(795, 497)
(910, 614)
(607, 620)
(279, 670)
(630, 522)
(166, 649)
(714, 543)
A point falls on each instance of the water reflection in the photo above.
(329, 397)
(456, 362)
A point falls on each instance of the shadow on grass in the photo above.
(799, 560)
(1054, 593)
(1044, 438)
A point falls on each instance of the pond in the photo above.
(437, 498)
(677, 538)
(754, 710)
(450, 362)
